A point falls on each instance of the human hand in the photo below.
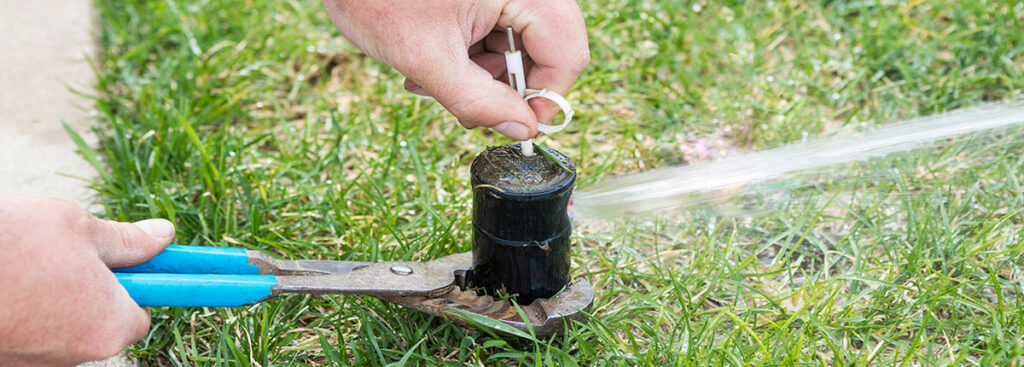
(59, 302)
(453, 50)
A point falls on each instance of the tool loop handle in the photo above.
(558, 100)
(197, 290)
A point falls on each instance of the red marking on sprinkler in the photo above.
(568, 208)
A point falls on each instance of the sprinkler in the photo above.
(521, 226)
(521, 230)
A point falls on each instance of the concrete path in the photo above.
(43, 51)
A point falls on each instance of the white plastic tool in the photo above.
(514, 63)
(517, 79)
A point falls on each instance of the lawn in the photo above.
(255, 124)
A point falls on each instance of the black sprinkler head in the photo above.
(521, 228)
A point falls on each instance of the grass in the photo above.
(254, 124)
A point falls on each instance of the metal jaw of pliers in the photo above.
(201, 276)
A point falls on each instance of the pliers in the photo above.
(204, 276)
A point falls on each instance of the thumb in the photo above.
(471, 94)
(125, 244)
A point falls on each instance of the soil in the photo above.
(506, 168)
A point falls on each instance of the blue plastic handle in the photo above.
(179, 259)
(197, 290)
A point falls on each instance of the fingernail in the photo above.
(513, 130)
(417, 90)
(160, 228)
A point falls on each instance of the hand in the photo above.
(454, 50)
(59, 302)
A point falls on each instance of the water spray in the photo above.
(706, 183)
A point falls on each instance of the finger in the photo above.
(494, 63)
(110, 320)
(124, 244)
(137, 319)
(543, 108)
(558, 61)
(472, 94)
(497, 41)
(128, 321)
(412, 87)
(477, 48)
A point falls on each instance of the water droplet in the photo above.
(403, 143)
(231, 153)
(697, 8)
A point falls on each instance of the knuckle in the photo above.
(465, 109)
(125, 236)
(467, 124)
(581, 60)
(70, 215)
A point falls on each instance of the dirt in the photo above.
(510, 171)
